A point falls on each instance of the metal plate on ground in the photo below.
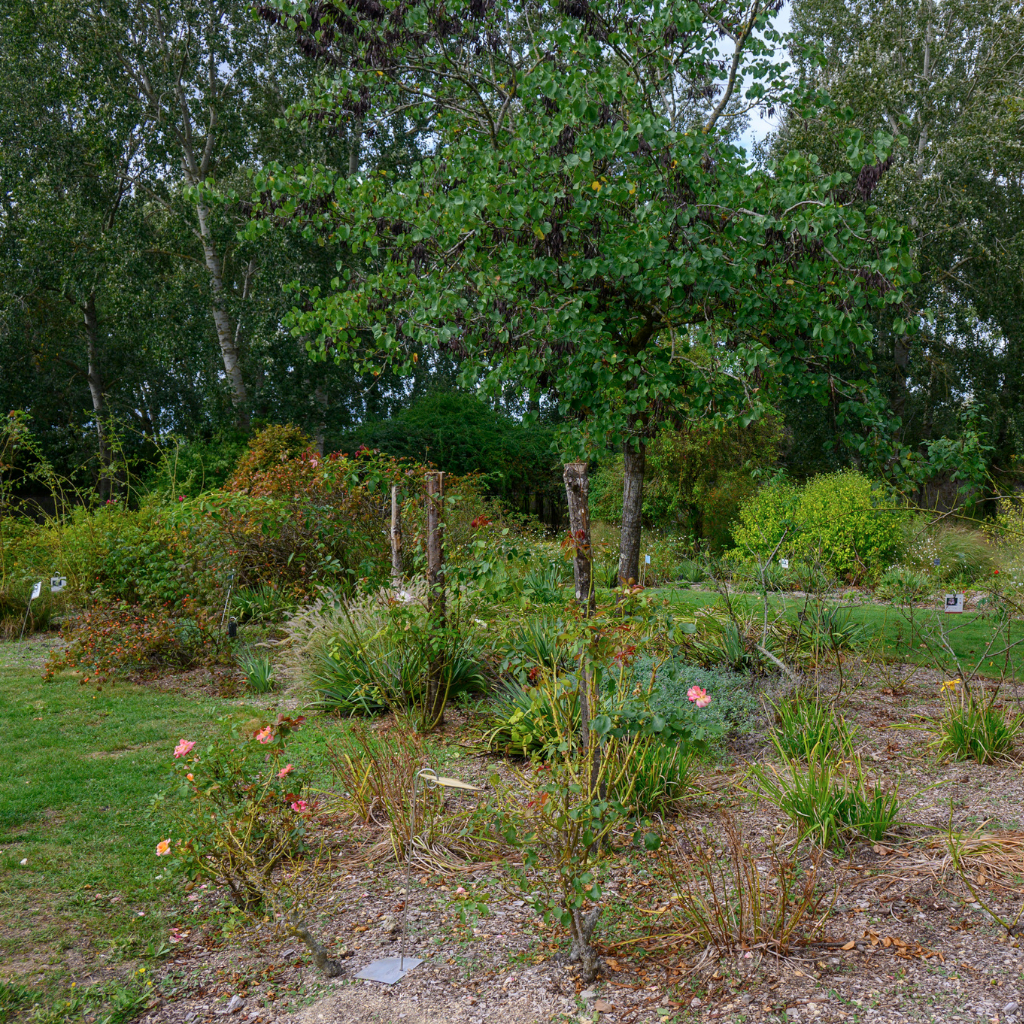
(389, 970)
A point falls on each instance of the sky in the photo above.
(762, 126)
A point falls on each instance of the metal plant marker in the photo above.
(390, 969)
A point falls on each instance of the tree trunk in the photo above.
(577, 493)
(95, 381)
(633, 463)
(437, 693)
(222, 321)
(396, 541)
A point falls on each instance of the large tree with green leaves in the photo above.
(949, 77)
(581, 224)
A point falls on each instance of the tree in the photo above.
(575, 229)
(949, 77)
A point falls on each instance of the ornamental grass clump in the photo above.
(831, 803)
(973, 728)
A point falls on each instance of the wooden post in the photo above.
(396, 541)
(577, 492)
(436, 691)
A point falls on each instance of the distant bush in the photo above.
(850, 525)
(839, 520)
(766, 517)
(195, 466)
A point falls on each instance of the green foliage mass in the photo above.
(461, 434)
(840, 520)
(696, 478)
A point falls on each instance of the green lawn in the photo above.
(891, 634)
(82, 767)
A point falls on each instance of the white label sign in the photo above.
(784, 562)
(57, 584)
(36, 591)
(647, 559)
(954, 602)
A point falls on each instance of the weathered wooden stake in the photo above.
(436, 691)
(396, 541)
(577, 492)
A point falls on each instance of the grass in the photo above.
(82, 766)
(894, 637)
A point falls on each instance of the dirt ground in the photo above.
(906, 939)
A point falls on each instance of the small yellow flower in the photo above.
(596, 186)
(950, 684)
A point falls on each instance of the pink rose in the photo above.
(299, 807)
(183, 747)
(286, 770)
(163, 847)
(699, 696)
(266, 734)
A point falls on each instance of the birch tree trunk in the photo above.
(95, 380)
(222, 320)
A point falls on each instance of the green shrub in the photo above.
(380, 659)
(259, 673)
(526, 715)
(838, 520)
(973, 728)
(734, 706)
(803, 725)
(849, 525)
(827, 807)
(905, 585)
(766, 518)
(193, 467)
(16, 616)
(263, 603)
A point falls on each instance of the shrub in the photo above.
(837, 519)
(108, 643)
(527, 715)
(264, 603)
(380, 658)
(196, 466)
(16, 615)
(237, 810)
(848, 524)
(259, 673)
(766, 518)
(734, 705)
(904, 585)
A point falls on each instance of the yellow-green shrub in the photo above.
(848, 524)
(838, 520)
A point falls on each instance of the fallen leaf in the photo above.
(850, 945)
(602, 1006)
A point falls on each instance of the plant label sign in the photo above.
(954, 602)
(647, 559)
(57, 584)
(36, 591)
(784, 562)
